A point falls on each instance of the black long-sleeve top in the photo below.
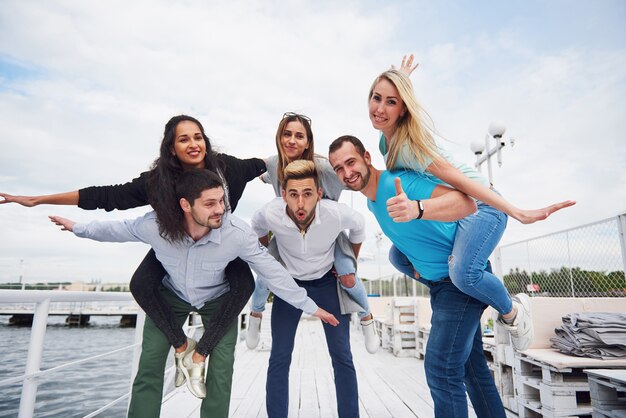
(135, 193)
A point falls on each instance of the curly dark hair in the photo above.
(163, 175)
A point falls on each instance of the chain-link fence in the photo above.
(585, 261)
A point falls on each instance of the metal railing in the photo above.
(395, 285)
(585, 261)
(33, 373)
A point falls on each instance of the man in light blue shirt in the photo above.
(454, 361)
(195, 264)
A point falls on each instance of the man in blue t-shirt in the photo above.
(454, 361)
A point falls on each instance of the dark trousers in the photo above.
(145, 287)
(285, 320)
(148, 384)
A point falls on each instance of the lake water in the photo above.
(78, 390)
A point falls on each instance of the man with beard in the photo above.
(454, 361)
(195, 281)
(305, 228)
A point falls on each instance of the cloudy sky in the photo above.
(86, 88)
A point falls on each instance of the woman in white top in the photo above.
(294, 141)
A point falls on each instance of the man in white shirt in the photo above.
(195, 263)
(305, 228)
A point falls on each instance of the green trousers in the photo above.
(147, 389)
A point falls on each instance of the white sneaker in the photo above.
(179, 378)
(196, 375)
(521, 329)
(371, 337)
(254, 332)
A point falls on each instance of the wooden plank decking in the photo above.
(389, 386)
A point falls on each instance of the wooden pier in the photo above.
(389, 386)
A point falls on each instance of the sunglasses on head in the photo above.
(298, 115)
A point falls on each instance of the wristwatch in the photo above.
(420, 207)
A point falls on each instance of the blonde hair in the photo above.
(298, 170)
(282, 158)
(413, 129)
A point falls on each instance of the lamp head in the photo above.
(496, 129)
(477, 147)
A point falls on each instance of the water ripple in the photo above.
(78, 390)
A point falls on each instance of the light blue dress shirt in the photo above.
(195, 269)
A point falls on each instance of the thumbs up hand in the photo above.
(400, 207)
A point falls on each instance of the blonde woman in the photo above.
(407, 143)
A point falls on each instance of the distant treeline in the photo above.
(567, 282)
(35, 286)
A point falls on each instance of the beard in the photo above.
(305, 222)
(210, 222)
(364, 179)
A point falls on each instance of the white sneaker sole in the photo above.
(524, 300)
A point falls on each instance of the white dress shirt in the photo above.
(309, 255)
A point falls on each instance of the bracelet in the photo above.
(420, 206)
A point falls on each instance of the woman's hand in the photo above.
(67, 198)
(532, 216)
(28, 201)
(407, 65)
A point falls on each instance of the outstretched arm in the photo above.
(445, 205)
(67, 198)
(65, 224)
(445, 171)
(119, 196)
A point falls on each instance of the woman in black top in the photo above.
(156, 187)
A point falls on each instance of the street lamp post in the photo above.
(21, 273)
(379, 240)
(495, 131)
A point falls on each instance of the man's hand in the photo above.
(326, 317)
(400, 207)
(65, 224)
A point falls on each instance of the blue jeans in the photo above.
(476, 237)
(343, 265)
(285, 320)
(454, 361)
(261, 290)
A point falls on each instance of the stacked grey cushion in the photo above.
(600, 335)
